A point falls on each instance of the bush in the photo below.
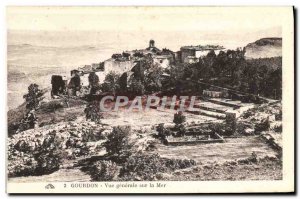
(241, 128)
(219, 128)
(181, 130)
(33, 97)
(247, 114)
(278, 129)
(162, 131)
(47, 163)
(21, 165)
(145, 167)
(250, 160)
(29, 157)
(142, 167)
(179, 118)
(278, 116)
(111, 83)
(118, 142)
(103, 171)
(92, 112)
(136, 87)
(174, 164)
(264, 125)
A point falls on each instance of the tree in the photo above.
(153, 79)
(93, 79)
(111, 83)
(92, 111)
(33, 97)
(136, 87)
(179, 119)
(119, 143)
(93, 82)
(162, 131)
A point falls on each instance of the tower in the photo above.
(151, 43)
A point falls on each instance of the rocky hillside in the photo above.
(263, 48)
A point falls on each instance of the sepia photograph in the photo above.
(150, 99)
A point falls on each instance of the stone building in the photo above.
(163, 61)
(116, 66)
(198, 51)
(191, 59)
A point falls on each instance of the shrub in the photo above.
(103, 171)
(264, 125)
(145, 167)
(151, 146)
(181, 130)
(22, 146)
(33, 97)
(111, 83)
(142, 167)
(136, 87)
(179, 118)
(241, 128)
(278, 128)
(249, 160)
(247, 114)
(48, 162)
(21, 165)
(118, 142)
(174, 164)
(92, 112)
(278, 116)
(219, 128)
(42, 159)
(162, 131)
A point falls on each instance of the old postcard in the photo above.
(150, 99)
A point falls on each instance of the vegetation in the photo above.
(43, 159)
(264, 125)
(103, 171)
(230, 69)
(119, 142)
(93, 112)
(111, 83)
(179, 118)
(33, 97)
(136, 87)
(93, 82)
(145, 167)
(162, 131)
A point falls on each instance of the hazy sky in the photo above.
(169, 26)
(144, 18)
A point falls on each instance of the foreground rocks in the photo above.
(43, 150)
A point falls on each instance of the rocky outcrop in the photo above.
(43, 150)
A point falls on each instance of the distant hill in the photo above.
(265, 47)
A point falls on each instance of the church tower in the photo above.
(151, 43)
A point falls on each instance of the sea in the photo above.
(34, 56)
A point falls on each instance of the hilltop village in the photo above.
(127, 64)
(235, 133)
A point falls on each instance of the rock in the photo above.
(249, 131)
(272, 118)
